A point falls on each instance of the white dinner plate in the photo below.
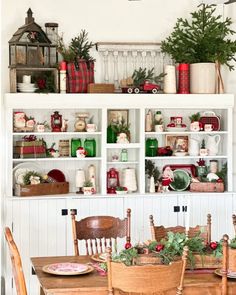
(20, 169)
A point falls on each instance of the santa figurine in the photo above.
(167, 178)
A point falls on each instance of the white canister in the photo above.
(130, 179)
(169, 79)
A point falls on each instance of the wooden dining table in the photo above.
(93, 283)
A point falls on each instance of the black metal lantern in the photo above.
(31, 47)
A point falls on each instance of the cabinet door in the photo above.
(162, 209)
(220, 206)
(92, 206)
(39, 229)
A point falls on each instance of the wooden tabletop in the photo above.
(94, 283)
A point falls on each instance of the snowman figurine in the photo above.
(167, 178)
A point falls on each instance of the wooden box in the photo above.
(147, 259)
(205, 261)
(206, 187)
(16, 76)
(101, 88)
(42, 189)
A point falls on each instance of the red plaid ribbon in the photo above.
(79, 76)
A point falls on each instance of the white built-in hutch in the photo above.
(41, 224)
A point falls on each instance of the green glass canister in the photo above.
(90, 147)
(124, 155)
(151, 147)
(75, 143)
(111, 135)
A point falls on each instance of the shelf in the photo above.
(186, 132)
(58, 159)
(122, 163)
(123, 145)
(55, 133)
(186, 157)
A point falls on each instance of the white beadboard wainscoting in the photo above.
(41, 229)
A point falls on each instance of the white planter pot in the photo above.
(202, 78)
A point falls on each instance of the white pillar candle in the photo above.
(79, 178)
(27, 79)
(169, 79)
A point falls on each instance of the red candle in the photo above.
(63, 66)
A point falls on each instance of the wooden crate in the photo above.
(42, 189)
(206, 187)
(205, 261)
(101, 88)
(16, 75)
(147, 259)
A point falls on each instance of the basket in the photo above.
(210, 118)
(41, 189)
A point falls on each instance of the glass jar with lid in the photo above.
(124, 155)
(151, 147)
(90, 147)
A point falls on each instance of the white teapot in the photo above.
(212, 144)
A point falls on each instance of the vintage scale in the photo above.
(80, 123)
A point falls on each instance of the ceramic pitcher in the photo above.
(212, 144)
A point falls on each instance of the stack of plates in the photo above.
(26, 87)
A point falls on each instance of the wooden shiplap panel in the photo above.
(39, 230)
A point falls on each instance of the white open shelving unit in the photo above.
(41, 106)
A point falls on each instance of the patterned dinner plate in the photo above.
(99, 257)
(67, 269)
(230, 275)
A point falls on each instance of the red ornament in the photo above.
(220, 180)
(128, 245)
(159, 247)
(213, 245)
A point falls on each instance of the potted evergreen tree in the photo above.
(204, 43)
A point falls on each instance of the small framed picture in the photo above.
(177, 143)
(116, 116)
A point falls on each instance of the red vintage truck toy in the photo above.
(147, 87)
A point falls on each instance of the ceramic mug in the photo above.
(91, 127)
(26, 79)
(88, 190)
(195, 126)
(159, 128)
(40, 128)
(208, 127)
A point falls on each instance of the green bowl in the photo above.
(181, 180)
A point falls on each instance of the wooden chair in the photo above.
(146, 279)
(160, 232)
(16, 264)
(224, 270)
(98, 232)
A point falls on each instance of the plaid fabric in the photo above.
(79, 76)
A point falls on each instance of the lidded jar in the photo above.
(151, 147)
(90, 147)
